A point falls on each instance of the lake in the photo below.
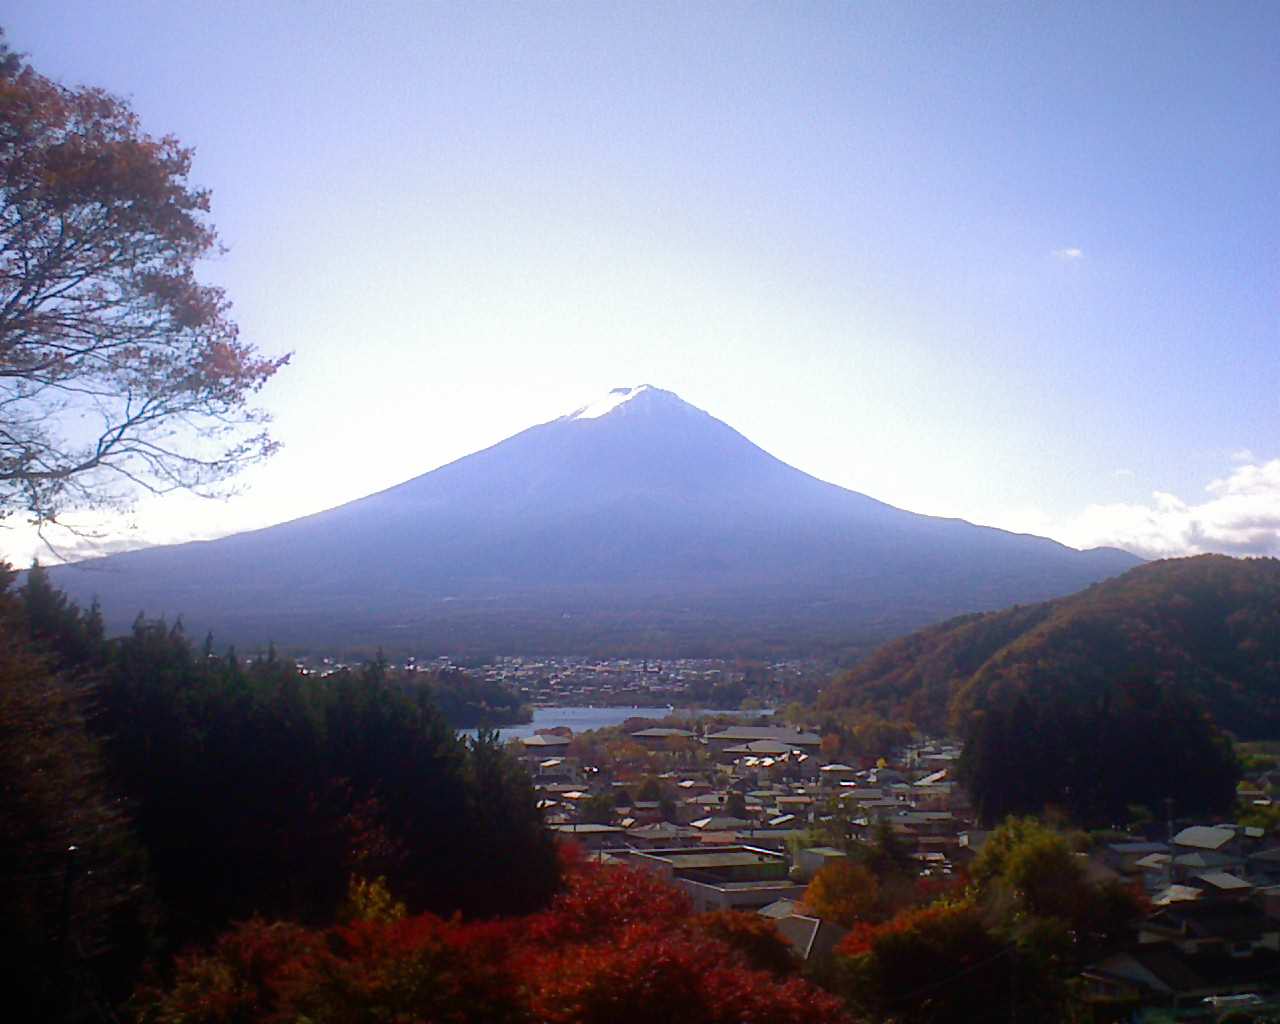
(580, 719)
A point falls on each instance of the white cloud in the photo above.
(1069, 255)
(1240, 516)
(1243, 455)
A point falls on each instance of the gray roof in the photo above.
(720, 823)
(659, 830)
(728, 858)
(1202, 860)
(1223, 881)
(1176, 894)
(782, 734)
(1153, 861)
(1130, 849)
(1204, 837)
(779, 908)
(540, 740)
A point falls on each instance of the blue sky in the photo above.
(1015, 263)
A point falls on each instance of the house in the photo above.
(813, 859)
(929, 823)
(592, 837)
(660, 835)
(1125, 857)
(542, 746)
(1155, 870)
(738, 735)
(662, 738)
(778, 839)
(1202, 927)
(836, 774)
(1185, 865)
(810, 938)
(1182, 987)
(1222, 885)
(1205, 838)
(860, 794)
(1191, 955)
(734, 877)
(556, 769)
(719, 823)
(1175, 893)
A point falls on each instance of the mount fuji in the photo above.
(636, 523)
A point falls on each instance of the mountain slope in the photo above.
(639, 521)
(1209, 625)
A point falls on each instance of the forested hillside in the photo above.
(1101, 700)
(1209, 625)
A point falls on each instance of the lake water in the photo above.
(580, 719)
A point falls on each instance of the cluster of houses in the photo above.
(766, 786)
(736, 833)
(769, 786)
(1211, 943)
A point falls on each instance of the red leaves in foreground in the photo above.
(616, 947)
(661, 973)
(598, 901)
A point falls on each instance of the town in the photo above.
(744, 818)
(551, 681)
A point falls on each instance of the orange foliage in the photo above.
(843, 892)
(864, 935)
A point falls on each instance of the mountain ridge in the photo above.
(640, 494)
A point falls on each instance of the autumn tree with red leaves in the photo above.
(617, 946)
(119, 370)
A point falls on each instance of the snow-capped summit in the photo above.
(603, 406)
(642, 396)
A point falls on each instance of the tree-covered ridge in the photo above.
(914, 678)
(469, 703)
(1209, 625)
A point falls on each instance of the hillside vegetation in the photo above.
(1209, 625)
(1138, 674)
